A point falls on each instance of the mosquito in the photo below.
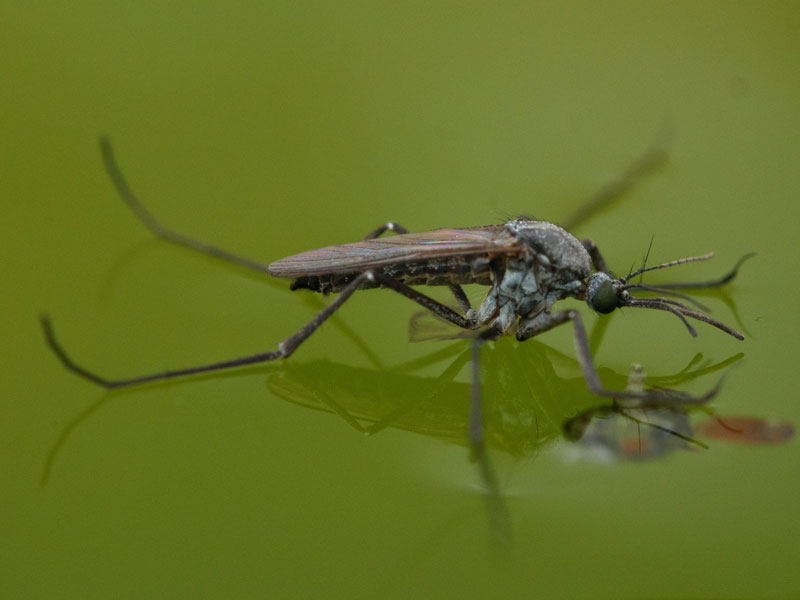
(528, 265)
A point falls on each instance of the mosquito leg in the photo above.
(546, 321)
(437, 308)
(652, 159)
(149, 221)
(457, 290)
(147, 218)
(598, 333)
(476, 437)
(594, 253)
(463, 301)
(500, 529)
(285, 348)
(710, 283)
(390, 226)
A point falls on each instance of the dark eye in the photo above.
(601, 296)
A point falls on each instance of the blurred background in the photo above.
(269, 128)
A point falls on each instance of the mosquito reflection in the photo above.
(519, 419)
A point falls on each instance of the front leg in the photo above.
(594, 253)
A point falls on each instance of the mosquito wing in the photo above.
(407, 247)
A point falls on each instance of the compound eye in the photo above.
(603, 297)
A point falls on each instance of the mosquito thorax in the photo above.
(601, 293)
(563, 250)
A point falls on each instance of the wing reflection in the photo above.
(533, 394)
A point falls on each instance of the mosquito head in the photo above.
(604, 293)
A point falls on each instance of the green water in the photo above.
(271, 128)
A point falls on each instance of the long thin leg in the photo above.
(476, 437)
(463, 301)
(547, 321)
(500, 528)
(653, 158)
(432, 305)
(149, 221)
(600, 265)
(594, 253)
(710, 283)
(285, 348)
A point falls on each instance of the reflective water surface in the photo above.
(272, 128)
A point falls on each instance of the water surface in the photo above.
(274, 128)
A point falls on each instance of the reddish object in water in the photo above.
(746, 430)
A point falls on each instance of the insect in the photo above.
(528, 265)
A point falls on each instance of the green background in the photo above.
(270, 128)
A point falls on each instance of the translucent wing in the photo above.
(408, 247)
(425, 326)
